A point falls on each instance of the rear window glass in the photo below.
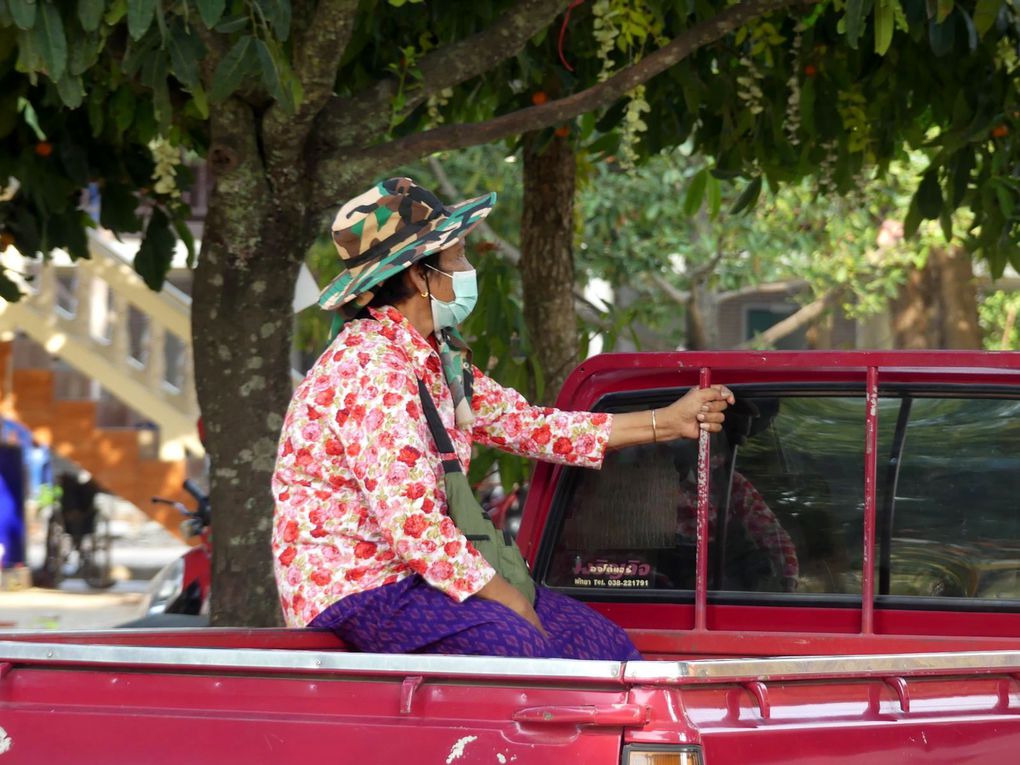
(786, 509)
(951, 484)
(786, 504)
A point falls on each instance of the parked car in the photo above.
(886, 629)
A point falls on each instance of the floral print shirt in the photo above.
(759, 522)
(360, 499)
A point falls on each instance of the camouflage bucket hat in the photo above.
(386, 229)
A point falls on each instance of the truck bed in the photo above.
(269, 696)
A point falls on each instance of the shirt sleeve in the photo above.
(382, 432)
(504, 419)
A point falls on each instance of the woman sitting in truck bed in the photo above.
(369, 475)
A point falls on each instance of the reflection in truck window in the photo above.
(951, 513)
(791, 518)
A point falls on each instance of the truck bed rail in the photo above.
(263, 661)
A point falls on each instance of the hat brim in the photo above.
(359, 281)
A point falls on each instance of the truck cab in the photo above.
(831, 579)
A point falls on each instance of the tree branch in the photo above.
(449, 137)
(805, 316)
(452, 194)
(772, 288)
(677, 296)
(584, 307)
(444, 67)
(703, 271)
(317, 56)
(462, 60)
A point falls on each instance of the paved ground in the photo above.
(139, 551)
(72, 607)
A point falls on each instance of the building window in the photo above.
(758, 318)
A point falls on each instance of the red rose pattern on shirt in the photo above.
(757, 518)
(358, 483)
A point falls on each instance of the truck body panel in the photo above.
(900, 641)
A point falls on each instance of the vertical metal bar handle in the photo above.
(701, 581)
(870, 487)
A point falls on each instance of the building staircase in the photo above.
(98, 317)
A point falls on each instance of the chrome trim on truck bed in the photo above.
(821, 667)
(318, 662)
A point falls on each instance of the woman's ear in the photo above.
(417, 278)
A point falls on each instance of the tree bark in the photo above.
(242, 325)
(547, 256)
(937, 305)
(958, 297)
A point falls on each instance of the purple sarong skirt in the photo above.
(411, 616)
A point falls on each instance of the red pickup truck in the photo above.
(835, 578)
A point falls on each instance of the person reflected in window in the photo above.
(746, 509)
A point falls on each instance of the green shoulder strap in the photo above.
(497, 547)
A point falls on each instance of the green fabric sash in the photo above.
(497, 547)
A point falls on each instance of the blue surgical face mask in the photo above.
(465, 295)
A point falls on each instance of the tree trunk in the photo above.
(697, 332)
(958, 298)
(937, 305)
(252, 248)
(911, 323)
(547, 259)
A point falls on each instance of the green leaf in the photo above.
(714, 196)
(185, 235)
(1005, 198)
(8, 290)
(23, 12)
(84, 53)
(233, 24)
(140, 14)
(945, 7)
(929, 196)
(71, 91)
(210, 11)
(695, 193)
(201, 100)
(276, 75)
(49, 36)
(277, 13)
(122, 108)
(961, 168)
(985, 14)
(946, 221)
(748, 197)
(156, 253)
(25, 228)
(885, 22)
(240, 61)
(90, 13)
(913, 220)
(186, 50)
(854, 20)
(942, 37)
(117, 209)
(997, 260)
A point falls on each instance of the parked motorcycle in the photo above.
(179, 594)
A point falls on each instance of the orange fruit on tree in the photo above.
(44, 148)
(1000, 131)
(539, 97)
(562, 131)
(6, 240)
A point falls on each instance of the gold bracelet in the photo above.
(655, 431)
